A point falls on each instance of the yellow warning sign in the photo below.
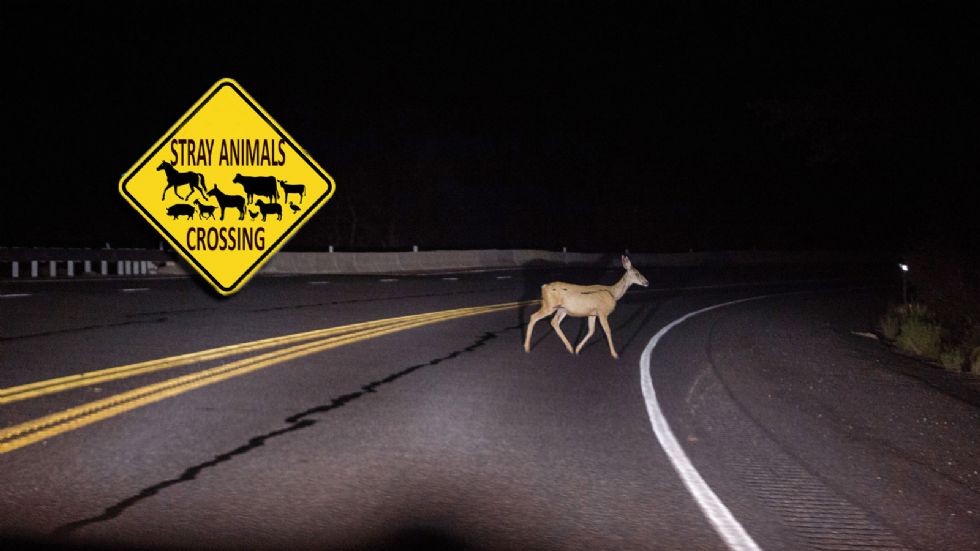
(226, 186)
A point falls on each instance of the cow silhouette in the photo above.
(258, 185)
(298, 189)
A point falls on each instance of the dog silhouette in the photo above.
(207, 211)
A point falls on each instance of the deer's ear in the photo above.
(626, 262)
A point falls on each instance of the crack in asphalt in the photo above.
(82, 328)
(296, 422)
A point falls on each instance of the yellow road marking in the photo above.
(61, 384)
(48, 426)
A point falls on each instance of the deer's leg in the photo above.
(535, 317)
(587, 335)
(605, 327)
(556, 324)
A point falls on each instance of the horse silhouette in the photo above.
(176, 178)
(228, 201)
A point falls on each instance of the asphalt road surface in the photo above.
(282, 418)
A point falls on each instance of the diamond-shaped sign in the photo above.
(226, 186)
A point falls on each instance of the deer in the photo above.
(579, 301)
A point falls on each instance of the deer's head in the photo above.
(632, 274)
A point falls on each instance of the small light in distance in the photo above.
(903, 267)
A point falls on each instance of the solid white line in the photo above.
(388, 280)
(503, 277)
(135, 289)
(730, 530)
(319, 282)
(15, 295)
(450, 279)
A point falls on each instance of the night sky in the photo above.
(464, 125)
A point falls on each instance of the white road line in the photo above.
(388, 280)
(15, 295)
(135, 289)
(730, 530)
(503, 277)
(319, 282)
(450, 279)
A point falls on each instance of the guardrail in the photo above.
(430, 261)
(23, 263)
(33, 263)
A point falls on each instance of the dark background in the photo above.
(461, 125)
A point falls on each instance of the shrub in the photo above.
(952, 359)
(946, 277)
(920, 334)
(891, 323)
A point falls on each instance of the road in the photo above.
(439, 432)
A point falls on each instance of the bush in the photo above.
(891, 323)
(952, 359)
(920, 334)
(944, 322)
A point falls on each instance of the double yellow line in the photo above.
(310, 342)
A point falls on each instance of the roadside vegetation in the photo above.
(941, 322)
